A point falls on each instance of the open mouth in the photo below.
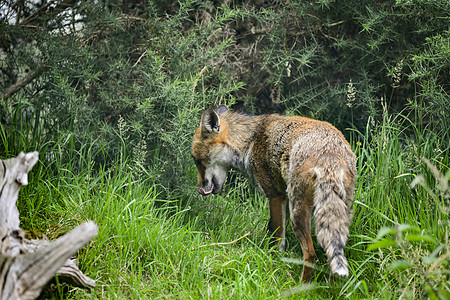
(213, 189)
(204, 192)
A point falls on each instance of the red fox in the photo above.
(304, 163)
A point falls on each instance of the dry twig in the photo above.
(227, 243)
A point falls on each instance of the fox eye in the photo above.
(198, 162)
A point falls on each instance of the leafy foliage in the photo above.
(153, 247)
(154, 65)
(110, 92)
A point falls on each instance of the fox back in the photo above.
(298, 162)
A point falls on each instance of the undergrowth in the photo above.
(216, 247)
(117, 97)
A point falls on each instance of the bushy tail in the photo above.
(332, 218)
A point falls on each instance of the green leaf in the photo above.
(401, 265)
(433, 257)
(382, 244)
(429, 259)
(385, 230)
(407, 227)
(420, 238)
(432, 293)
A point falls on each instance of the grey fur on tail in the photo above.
(332, 218)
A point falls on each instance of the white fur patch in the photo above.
(341, 271)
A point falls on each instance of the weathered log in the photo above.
(27, 265)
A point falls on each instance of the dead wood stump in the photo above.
(27, 265)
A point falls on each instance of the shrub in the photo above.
(151, 67)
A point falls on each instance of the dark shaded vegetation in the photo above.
(135, 74)
(110, 93)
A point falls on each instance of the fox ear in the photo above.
(210, 122)
(221, 109)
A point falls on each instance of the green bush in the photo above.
(129, 86)
(125, 81)
(113, 105)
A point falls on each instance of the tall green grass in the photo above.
(216, 247)
(392, 155)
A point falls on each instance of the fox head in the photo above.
(211, 151)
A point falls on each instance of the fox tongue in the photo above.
(202, 191)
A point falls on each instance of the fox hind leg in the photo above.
(300, 212)
(276, 226)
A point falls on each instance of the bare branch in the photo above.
(23, 82)
(37, 11)
(19, 5)
(227, 243)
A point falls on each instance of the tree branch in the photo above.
(59, 7)
(23, 82)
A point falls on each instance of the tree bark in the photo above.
(27, 265)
